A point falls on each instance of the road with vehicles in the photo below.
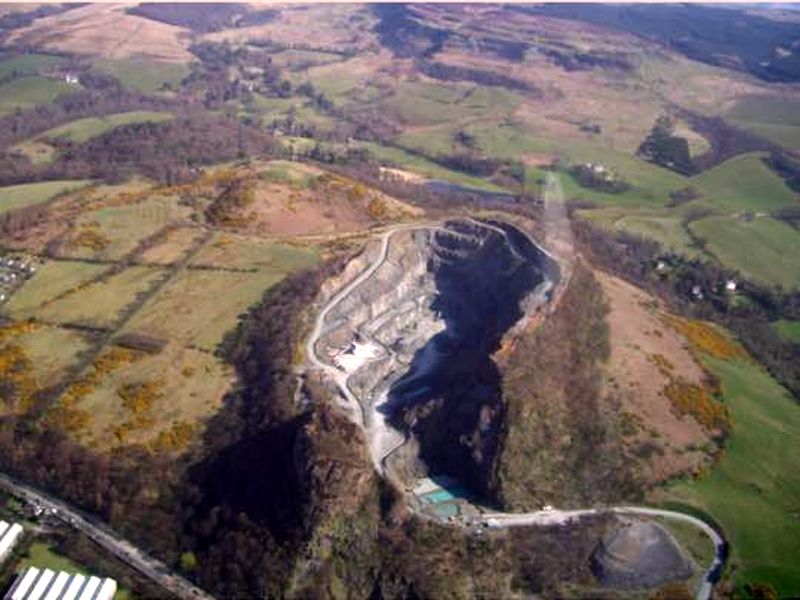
(112, 542)
(490, 520)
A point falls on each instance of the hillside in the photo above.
(405, 300)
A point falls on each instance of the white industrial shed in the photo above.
(36, 584)
(9, 534)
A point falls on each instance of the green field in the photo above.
(767, 109)
(399, 158)
(762, 249)
(39, 153)
(788, 330)
(27, 64)
(754, 490)
(51, 350)
(84, 129)
(229, 250)
(772, 117)
(287, 172)
(28, 92)
(143, 75)
(787, 136)
(176, 245)
(651, 184)
(99, 304)
(28, 194)
(194, 383)
(51, 280)
(668, 231)
(123, 227)
(297, 59)
(198, 307)
(744, 183)
(421, 103)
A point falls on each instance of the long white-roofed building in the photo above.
(9, 536)
(45, 584)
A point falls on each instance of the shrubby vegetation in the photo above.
(559, 444)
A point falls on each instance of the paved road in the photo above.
(494, 520)
(118, 546)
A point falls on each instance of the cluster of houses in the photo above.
(600, 172)
(14, 270)
(698, 293)
(34, 583)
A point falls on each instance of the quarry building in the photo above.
(9, 535)
(45, 584)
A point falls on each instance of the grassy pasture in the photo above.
(422, 103)
(178, 242)
(744, 183)
(198, 307)
(766, 109)
(123, 227)
(335, 80)
(287, 172)
(763, 249)
(405, 160)
(787, 136)
(651, 184)
(51, 280)
(194, 383)
(27, 92)
(26, 64)
(28, 194)
(143, 75)
(81, 130)
(51, 350)
(754, 490)
(788, 330)
(99, 303)
(39, 153)
(300, 59)
(230, 250)
(666, 230)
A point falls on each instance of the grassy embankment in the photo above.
(754, 489)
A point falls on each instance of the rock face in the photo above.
(639, 555)
(416, 339)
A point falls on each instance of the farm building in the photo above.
(9, 535)
(36, 584)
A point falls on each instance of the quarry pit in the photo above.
(410, 314)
